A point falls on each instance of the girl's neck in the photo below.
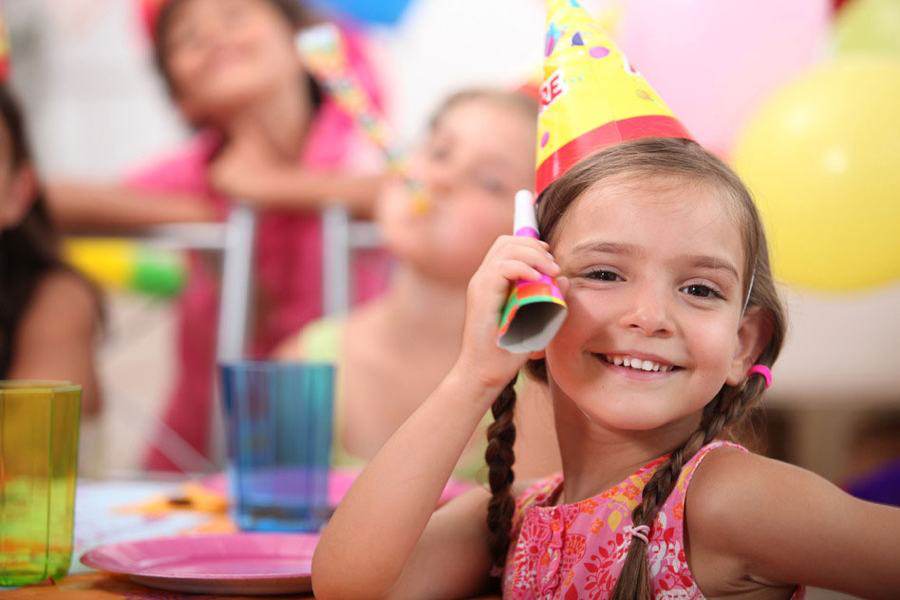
(595, 457)
(433, 310)
(281, 118)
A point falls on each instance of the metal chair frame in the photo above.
(235, 239)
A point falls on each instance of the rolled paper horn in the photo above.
(534, 310)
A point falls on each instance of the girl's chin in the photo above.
(627, 414)
(225, 100)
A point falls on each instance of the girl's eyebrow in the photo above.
(714, 263)
(608, 248)
(702, 261)
(495, 161)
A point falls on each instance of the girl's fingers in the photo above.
(513, 270)
(513, 258)
(505, 241)
(537, 258)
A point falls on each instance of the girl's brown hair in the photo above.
(513, 99)
(681, 160)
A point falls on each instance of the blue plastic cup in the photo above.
(278, 420)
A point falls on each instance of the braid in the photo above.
(500, 457)
(728, 407)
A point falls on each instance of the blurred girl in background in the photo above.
(477, 154)
(49, 315)
(233, 70)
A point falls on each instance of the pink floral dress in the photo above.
(575, 551)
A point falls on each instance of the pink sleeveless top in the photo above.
(577, 550)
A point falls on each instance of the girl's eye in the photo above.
(603, 275)
(438, 151)
(491, 185)
(701, 291)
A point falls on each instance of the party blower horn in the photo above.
(535, 310)
(324, 54)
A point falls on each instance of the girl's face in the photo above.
(222, 54)
(655, 280)
(477, 156)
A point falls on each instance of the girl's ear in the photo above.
(753, 334)
(20, 194)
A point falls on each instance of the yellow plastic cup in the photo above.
(38, 470)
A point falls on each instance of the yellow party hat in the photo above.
(591, 97)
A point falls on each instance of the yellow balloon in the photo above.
(822, 158)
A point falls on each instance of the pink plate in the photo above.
(240, 563)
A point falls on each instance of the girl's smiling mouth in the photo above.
(635, 364)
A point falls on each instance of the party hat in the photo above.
(591, 97)
(534, 310)
(324, 54)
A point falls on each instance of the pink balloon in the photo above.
(714, 61)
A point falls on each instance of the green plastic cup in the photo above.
(38, 469)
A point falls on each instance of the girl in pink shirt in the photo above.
(267, 136)
(673, 323)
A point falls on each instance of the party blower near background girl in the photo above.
(672, 329)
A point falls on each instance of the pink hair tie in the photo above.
(761, 370)
(640, 532)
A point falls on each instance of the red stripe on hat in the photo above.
(604, 136)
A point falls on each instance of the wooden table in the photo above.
(100, 519)
(100, 586)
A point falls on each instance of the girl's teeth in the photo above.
(636, 363)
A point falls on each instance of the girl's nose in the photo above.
(649, 312)
(441, 180)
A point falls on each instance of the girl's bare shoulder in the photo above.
(63, 301)
(732, 489)
(772, 524)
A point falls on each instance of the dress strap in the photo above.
(671, 515)
(687, 472)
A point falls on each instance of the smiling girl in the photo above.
(673, 326)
